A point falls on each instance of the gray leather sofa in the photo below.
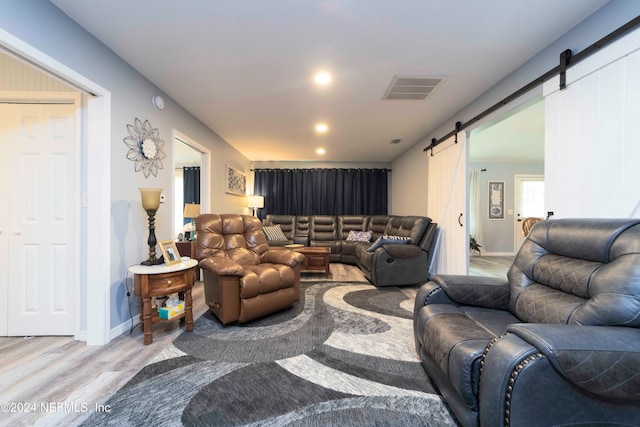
(557, 343)
(388, 265)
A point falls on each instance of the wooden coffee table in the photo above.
(316, 258)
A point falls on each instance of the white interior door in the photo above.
(529, 201)
(38, 276)
(447, 196)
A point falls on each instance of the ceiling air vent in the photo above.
(412, 87)
(395, 141)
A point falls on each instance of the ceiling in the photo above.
(245, 68)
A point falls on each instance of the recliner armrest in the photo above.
(282, 256)
(602, 360)
(221, 266)
(402, 251)
(478, 291)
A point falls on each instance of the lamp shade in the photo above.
(255, 201)
(191, 210)
(150, 198)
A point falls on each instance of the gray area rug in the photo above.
(343, 355)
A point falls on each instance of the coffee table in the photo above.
(316, 258)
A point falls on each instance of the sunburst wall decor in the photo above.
(145, 147)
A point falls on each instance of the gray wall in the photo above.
(498, 234)
(410, 168)
(43, 26)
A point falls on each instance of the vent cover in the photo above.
(412, 87)
(395, 141)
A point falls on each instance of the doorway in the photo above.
(92, 320)
(509, 146)
(529, 203)
(187, 153)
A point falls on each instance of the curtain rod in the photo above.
(319, 169)
(566, 60)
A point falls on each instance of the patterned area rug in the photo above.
(343, 355)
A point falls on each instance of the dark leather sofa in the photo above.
(557, 343)
(388, 265)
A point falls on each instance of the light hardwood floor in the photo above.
(54, 381)
(491, 266)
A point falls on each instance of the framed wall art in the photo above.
(235, 182)
(496, 199)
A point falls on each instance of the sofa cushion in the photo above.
(388, 240)
(578, 271)
(323, 227)
(408, 226)
(274, 233)
(359, 236)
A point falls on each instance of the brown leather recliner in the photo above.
(244, 279)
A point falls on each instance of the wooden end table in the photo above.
(161, 280)
(316, 258)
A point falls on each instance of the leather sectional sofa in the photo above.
(557, 343)
(389, 265)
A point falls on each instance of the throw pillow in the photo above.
(388, 240)
(274, 233)
(359, 236)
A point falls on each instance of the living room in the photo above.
(110, 183)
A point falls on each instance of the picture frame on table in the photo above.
(235, 182)
(170, 252)
(496, 199)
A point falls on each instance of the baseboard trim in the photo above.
(121, 329)
(498, 254)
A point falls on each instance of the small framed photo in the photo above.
(235, 182)
(170, 252)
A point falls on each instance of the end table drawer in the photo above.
(316, 260)
(164, 283)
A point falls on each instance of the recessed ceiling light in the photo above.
(321, 128)
(322, 78)
(320, 151)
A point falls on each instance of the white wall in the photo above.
(44, 27)
(410, 168)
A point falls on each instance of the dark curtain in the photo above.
(322, 191)
(191, 186)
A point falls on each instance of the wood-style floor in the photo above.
(54, 381)
(491, 266)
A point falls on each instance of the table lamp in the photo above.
(151, 203)
(191, 211)
(255, 202)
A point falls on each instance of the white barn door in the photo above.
(38, 274)
(447, 204)
(591, 135)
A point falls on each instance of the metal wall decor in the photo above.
(146, 148)
(236, 182)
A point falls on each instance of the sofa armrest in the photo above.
(221, 266)
(402, 251)
(430, 293)
(478, 291)
(282, 256)
(603, 360)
